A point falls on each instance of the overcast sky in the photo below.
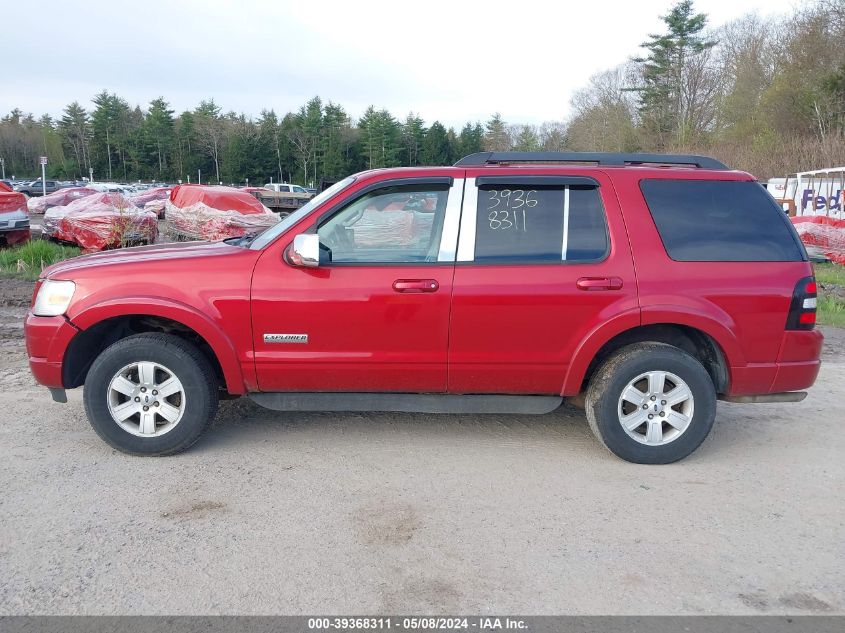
(450, 60)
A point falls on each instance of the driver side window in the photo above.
(399, 224)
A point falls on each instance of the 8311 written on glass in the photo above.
(506, 208)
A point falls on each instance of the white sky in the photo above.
(454, 60)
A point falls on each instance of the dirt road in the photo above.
(347, 513)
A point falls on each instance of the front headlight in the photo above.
(53, 298)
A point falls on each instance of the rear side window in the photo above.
(543, 224)
(720, 221)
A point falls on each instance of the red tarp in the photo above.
(826, 233)
(5, 187)
(60, 198)
(151, 199)
(214, 213)
(103, 220)
(12, 212)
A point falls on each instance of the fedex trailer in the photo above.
(818, 192)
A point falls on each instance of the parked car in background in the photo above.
(282, 197)
(14, 217)
(647, 285)
(100, 221)
(36, 188)
(60, 198)
(111, 187)
(283, 187)
(201, 212)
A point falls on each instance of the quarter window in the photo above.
(400, 224)
(543, 224)
(726, 221)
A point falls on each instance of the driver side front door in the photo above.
(375, 318)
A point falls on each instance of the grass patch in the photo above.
(831, 306)
(26, 261)
(831, 311)
(830, 274)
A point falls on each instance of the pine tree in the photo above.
(413, 135)
(662, 104)
(436, 148)
(496, 138)
(157, 133)
(75, 130)
(470, 140)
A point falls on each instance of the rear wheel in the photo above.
(151, 394)
(651, 403)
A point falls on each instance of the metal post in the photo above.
(90, 174)
(3, 164)
(43, 178)
(199, 177)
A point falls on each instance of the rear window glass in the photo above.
(727, 221)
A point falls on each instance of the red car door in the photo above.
(376, 318)
(543, 260)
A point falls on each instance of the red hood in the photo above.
(139, 255)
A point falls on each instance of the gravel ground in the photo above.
(394, 513)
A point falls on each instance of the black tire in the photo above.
(185, 361)
(609, 381)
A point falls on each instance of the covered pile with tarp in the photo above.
(14, 217)
(60, 198)
(825, 233)
(198, 212)
(154, 199)
(100, 221)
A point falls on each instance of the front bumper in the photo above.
(47, 339)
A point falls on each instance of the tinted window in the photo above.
(542, 224)
(705, 220)
(400, 224)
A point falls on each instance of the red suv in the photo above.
(652, 285)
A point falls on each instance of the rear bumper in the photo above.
(47, 339)
(796, 368)
(795, 376)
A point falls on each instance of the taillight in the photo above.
(802, 309)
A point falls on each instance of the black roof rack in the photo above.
(599, 158)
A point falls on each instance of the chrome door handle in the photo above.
(415, 285)
(599, 283)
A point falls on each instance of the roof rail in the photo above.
(600, 158)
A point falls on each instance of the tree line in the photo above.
(764, 95)
(318, 142)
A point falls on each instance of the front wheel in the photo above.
(651, 403)
(151, 394)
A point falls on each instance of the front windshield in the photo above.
(274, 231)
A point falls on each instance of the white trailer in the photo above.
(817, 192)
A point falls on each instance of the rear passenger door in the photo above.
(542, 261)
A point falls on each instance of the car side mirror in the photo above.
(305, 250)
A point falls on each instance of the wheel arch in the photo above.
(102, 325)
(697, 342)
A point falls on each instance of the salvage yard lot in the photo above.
(387, 513)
